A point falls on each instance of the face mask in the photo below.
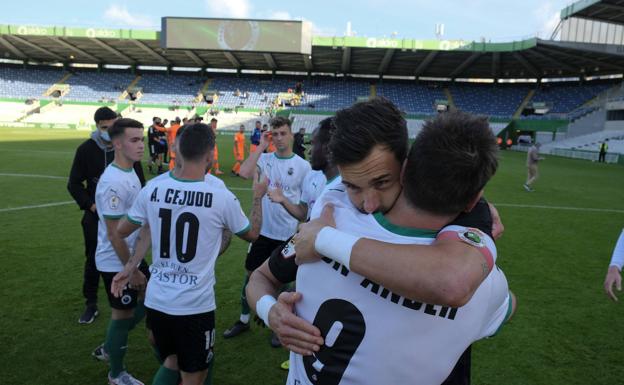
(104, 135)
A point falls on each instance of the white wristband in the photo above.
(263, 306)
(335, 244)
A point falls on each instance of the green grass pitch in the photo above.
(555, 257)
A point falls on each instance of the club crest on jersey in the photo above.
(291, 170)
(113, 202)
(472, 237)
(126, 299)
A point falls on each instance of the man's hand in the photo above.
(265, 140)
(93, 208)
(260, 187)
(306, 236)
(613, 277)
(294, 333)
(276, 195)
(127, 277)
(497, 225)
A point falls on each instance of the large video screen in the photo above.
(236, 35)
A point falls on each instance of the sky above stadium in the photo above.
(495, 20)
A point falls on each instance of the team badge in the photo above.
(113, 202)
(291, 171)
(472, 237)
(126, 299)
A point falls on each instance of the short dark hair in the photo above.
(280, 121)
(120, 125)
(196, 141)
(212, 120)
(104, 113)
(451, 160)
(324, 130)
(364, 125)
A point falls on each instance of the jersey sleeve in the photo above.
(305, 189)
(262, 161)
(617, 259)
(500, 306)
(282, 262)
(112, 201)
(474, 237)
(234, 218)
(138, 212)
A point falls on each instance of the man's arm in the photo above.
(614, 273)
(445, 273)
(298, 211)
(294, 333)
(226, 238)
(248, 168)
(255, 217)
(122, 229)
(75, 184)
(118, 241)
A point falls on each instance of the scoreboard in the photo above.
(236, 35)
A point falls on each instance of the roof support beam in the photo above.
(232, 59)
(495, 64)
(150, 51)
(526, 64)
(74, 48)
(422, 67)
(270, 61)
(12, 48)
(464, 65)
(307, 61)
(579, 57)
(112, 50)
(193, 56)
(37, 48)
(386, 61)
(346, 59)
(551, 59)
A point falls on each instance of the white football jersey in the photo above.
(209, 178)
(288, 174)
(115, 192)
(332, 185)
(186, 220)
(374, 336)
(313, 186)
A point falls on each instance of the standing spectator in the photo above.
(91, 158)
(255, 137)
(298, 144)
(239, 149)
(532, 159)
(604, 146)
(215, 164)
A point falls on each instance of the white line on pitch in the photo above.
(558, 208)
(34, 176)
(36, 206)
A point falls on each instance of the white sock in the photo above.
(244, 318)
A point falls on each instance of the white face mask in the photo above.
(104, 135)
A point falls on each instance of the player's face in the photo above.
(103, 125)
(282, 138)
(318, 157)
(241, 129)
(374, 183)
(131, 144)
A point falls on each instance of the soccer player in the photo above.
(215, 164)
(186, 217)
(532, 172)
(323, 173)
(172, 132)
(155, 147)
(255, 137)
(283, 169)
(239, 149)
(614, 274)
(91, 158)
(116, 190)
(298, 144)
(405, 270)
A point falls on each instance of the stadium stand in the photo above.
(27, 83)
(563, 97)
(494, 100)
(412, 98)
(174, 88)
(97, 86)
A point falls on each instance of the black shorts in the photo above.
(128, 299)
(155, 149)
(259, 251)
(190, 337)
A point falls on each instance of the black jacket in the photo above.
(90, 160)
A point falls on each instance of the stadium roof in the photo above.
(609, 11)
(532, 58)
